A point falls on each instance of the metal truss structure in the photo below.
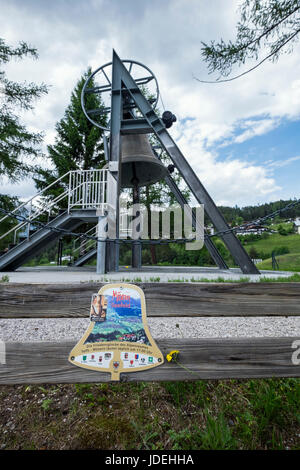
(88, 194)
(126, 95)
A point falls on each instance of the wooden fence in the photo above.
(46, 362)
(163, 299)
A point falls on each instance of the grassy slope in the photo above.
(292, 242)
(220, 414)
(287, 262)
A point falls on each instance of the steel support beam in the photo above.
(239, 254)
(112, 250)
(135, 126)
(101, 250)
(233, 244)
(212, 249)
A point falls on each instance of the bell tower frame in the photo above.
(150, 122)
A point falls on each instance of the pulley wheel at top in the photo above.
(100, 84)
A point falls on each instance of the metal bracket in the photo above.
(113, 166)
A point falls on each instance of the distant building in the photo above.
(297, 224)
(254, 229)
(210, 230)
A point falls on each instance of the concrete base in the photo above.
(66, 274)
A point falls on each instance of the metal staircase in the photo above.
(84, 192)
(85, 196)
(37, 242)
(86, 249)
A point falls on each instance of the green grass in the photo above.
(205, 279)
(293, 278)
(292, 242)
(220, 414)
(288, 262)
(286, 225)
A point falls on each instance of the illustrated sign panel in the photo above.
(118, 338)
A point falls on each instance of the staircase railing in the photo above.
(86, 189)
(34, 207)
(81, 245)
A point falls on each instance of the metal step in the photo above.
(86, 257)
(42, 238)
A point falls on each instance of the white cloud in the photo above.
(25, 190)
(166, 36)
(228, 182)
(254, 128)
(282, 163)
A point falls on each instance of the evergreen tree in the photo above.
(16, 142)
(159, 194)
(271, 25)
(7, 203)
(78, 144)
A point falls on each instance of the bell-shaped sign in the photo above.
(118, 338)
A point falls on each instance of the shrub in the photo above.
(281, 250)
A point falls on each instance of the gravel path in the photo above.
(62, 329)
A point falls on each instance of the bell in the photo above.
(139, 165)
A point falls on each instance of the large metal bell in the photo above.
(139, 165)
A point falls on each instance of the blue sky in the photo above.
(277, 150)
(240, 137)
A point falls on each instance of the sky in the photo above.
(240, 137)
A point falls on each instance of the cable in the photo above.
(162, 101)
(21, 218)
(259, 220)
(154, 242)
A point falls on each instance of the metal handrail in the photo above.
(87, 188)
(91, 182)
(36, 195)
(88, 243)
(93, 230)
(83, 243)
(34, 215)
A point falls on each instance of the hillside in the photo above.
(248, 213)
(289, 261)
